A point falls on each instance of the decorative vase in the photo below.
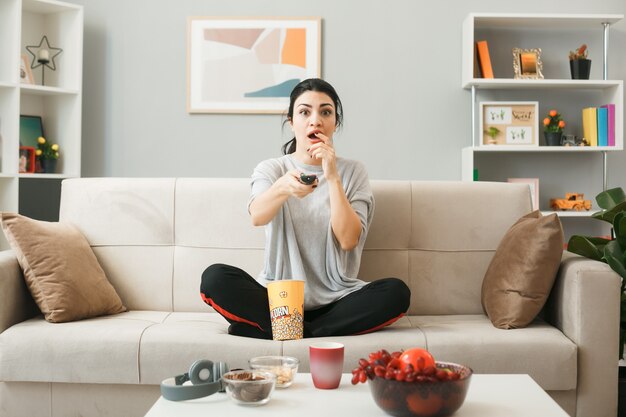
(580, 69)
(553, 138)
(48, 166)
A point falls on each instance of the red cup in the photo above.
(326, 360)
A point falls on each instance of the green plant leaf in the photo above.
(609, 215)
(589, 247)
(612, 252)
(614, 256)
(611, 198)
(619, 227)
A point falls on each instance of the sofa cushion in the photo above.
(97, 350)
(134, 347)
(399, 335)
(61, 271)
(171, 346)
(522, 271)
(539, 349)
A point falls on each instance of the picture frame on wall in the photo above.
(509, 123)
(26, 75)
(533, 183)
(249, 65)
(527, 63)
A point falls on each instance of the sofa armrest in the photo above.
(585, 305)
(16, 303)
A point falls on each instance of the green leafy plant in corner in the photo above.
(610, 251)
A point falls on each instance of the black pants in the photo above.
(242, 301)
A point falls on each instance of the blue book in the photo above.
(603, 123)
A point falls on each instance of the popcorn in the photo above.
(288, 327)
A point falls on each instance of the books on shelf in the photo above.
(610, 123)
(602, 127)
(599, 125)
(484, 61)
(590, 125)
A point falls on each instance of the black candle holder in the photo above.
(43, 56)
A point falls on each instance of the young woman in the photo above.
(314, 232)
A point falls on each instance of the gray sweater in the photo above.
(299, 242)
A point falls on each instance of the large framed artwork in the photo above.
(249, 65)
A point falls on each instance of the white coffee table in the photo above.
(488, 396)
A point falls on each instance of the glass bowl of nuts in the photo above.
(249, 387)
(284, 367)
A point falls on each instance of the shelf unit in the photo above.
(504, 31)
(22, 23)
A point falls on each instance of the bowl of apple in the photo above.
(411, 383)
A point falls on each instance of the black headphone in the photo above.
(206, 379)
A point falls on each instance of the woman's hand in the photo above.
(265, 206)
(344, 221)
(291, 185)
(325, 151)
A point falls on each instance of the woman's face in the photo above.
(313, 114)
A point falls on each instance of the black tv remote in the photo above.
(308, 179)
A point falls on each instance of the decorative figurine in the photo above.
(572, 201)
(44, 56)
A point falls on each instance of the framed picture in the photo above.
(26, 75)
(27, 159)
(509, 123)
(527, 63)
(31, 127)
(249, 65)
(533, 183)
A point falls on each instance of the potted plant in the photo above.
(579, 65)
(613, 252)
(609, 250)
(47, 155)
(553, 128)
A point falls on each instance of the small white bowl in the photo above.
(284, 367)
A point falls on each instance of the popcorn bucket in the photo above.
(286, 309)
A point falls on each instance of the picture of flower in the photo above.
(46, 150)
(554, 122)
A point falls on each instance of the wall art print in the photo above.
(249, 65)
(509, 123)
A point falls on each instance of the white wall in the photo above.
(395, 64)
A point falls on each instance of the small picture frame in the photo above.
(509, 123)
(27, 159)
(527, 63)
(533, 183)
(31, 127)
(26, 75)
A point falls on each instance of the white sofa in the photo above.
(154, 237)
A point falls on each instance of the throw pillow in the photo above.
(60, 269)
(522, 271)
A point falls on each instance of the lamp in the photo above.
(43, 56)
